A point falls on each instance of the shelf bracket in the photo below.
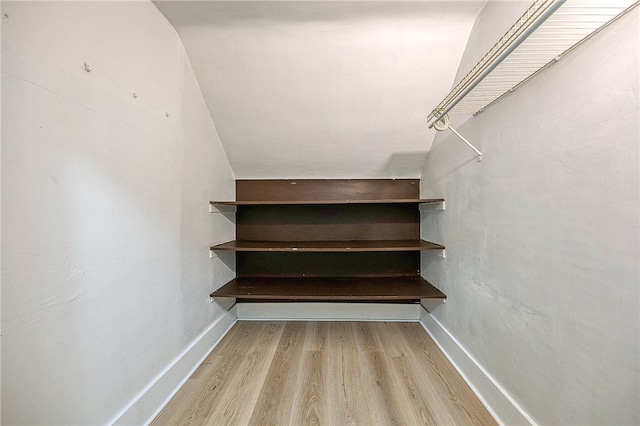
(221, 208)
(433, 206)
(443, 124)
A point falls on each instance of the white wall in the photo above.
(324, 89)
(105, 222)
(542, 236)
(491, 24)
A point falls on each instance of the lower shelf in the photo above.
(330, 289)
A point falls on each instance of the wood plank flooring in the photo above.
(325, 373)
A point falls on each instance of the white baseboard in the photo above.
(495, 398)
(318, 311)
(148, 403)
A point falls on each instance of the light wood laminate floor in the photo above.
(325, 373)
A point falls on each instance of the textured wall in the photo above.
(542, 236)
(105, 268)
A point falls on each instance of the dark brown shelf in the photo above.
(326, 202)
(328, 246)
(330, 289)
(348, 240)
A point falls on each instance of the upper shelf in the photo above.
(328, 246)
(327, 202)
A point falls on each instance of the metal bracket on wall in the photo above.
(443, 124)
(433, 206)
(221, 208)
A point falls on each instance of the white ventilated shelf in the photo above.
(542, 35)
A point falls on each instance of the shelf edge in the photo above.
(327, 202)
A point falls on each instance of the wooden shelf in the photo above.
(330, 289)
(348, 240)
(328, 246)
(327, 202)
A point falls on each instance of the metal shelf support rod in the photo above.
(467, 142)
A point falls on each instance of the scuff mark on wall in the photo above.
(34, 314)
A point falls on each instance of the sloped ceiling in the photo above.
(323, 89)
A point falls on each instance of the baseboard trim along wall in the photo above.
(319, 311)
(495, 398)
(148, 403)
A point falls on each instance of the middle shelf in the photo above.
(328, 246)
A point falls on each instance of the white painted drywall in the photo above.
(106, 229)
(542, 236)
(324, 89)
